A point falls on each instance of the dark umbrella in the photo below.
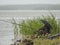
(47, 24)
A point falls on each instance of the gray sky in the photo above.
(9, 2)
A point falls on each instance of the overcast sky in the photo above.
(9, 2)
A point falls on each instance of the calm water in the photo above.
(6, 29)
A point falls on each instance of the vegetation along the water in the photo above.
(36, 32)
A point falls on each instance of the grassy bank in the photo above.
(29, 27)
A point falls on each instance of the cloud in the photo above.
(8, 2)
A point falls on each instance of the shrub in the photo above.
(29, 27)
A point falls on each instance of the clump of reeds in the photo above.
(30, 26)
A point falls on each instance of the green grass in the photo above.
(30, 26)
(53, 22)
(47, 42)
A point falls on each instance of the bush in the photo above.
(30, 26)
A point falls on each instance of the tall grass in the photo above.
(30, 26)
(55, 24)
